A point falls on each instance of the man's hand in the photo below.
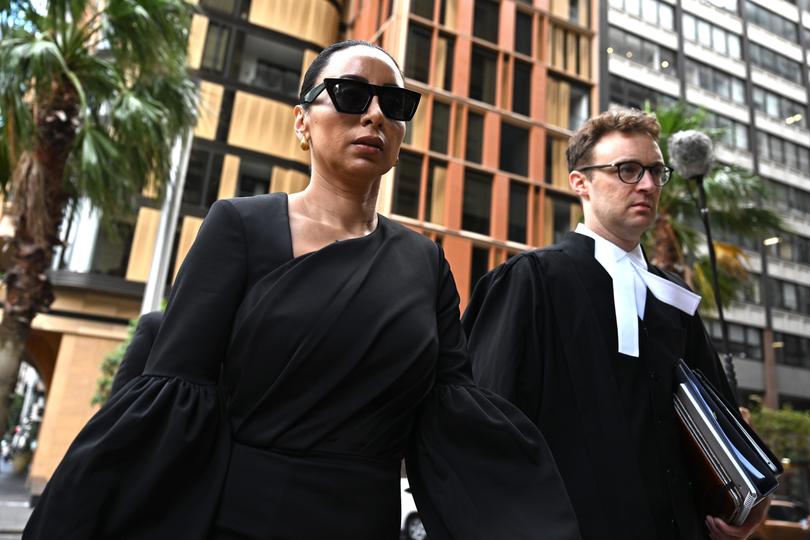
(720, 530)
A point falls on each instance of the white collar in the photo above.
(631, 279)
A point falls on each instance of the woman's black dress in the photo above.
(282, 392)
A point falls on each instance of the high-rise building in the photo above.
(745, 62)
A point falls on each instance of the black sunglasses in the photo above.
(631, 172)
(353, 97)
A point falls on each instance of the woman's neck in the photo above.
(340, 206)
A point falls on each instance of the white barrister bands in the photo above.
(631, 279)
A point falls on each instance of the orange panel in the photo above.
(499, 212)
(458, 252)
(491, 139)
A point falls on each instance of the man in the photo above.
(584, 335)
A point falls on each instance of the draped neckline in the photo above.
(295, 258)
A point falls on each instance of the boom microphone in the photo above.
(690, 153)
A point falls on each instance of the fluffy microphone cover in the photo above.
(690, 153)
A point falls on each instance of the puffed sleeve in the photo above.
(478, 468)
(151, 462)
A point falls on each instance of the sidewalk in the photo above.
(14, 496)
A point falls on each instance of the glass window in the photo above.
(666, 17)
(514, 156)
(483, 74)
(689, 31)
(580, 106)
(522, 88)
(423, 8)
(439, 127)
(649, 11)
(223, 6)
(267, 64)
(216, 48)
(719, 40)
(254, 178)
(407, 179)
(477, 201)
(523, 33)
(417, 63)
(435, 191)
(475, 137)
(633, 7)
(704, 33)
(734, 49)
(486, 20)
(518, 217)
(737, 90)
(446, 53)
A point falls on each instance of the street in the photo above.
(14, 510)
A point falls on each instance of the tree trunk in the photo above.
(667, 253)
(38, 205)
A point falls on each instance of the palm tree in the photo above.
(92, 95)
(734, 197)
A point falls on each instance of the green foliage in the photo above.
(786, 431)
(122, 63)
(14, 410)
(109, 366)
(735, 198)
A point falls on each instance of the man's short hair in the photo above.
(580, 146)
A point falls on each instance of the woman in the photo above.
(307, 346)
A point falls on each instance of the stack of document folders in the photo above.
(731, 468)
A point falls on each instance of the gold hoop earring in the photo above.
(304, 144)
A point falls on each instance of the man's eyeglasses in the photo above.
(353, 97)
(631, 172)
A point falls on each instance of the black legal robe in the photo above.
(281, 394)
(542, 333)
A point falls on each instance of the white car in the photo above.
(411, 528)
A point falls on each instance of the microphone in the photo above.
(690, 153)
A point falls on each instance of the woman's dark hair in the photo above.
(316, 67)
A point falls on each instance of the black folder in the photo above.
(732, 469)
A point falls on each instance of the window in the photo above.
(222, 6)
(744, 341)
(629, 94)
(780, 108)
(202, 178)
(518, 217)
(556, 164)
(475, 137)
(771, 21)
(112, 249)
(654, 12)
(561, 216)
(775, 63)
(787, 153)
(522, 88)
(570, 51)
(794, 350)
(576, 11)
(407, 179)
(215, 51)
(477, 201)
(731, 133)
(789, 198)
(417, 65)
(523, 33)
(514, 155)
(483, 74)
(710, 36)
(486, 20)
(439, 127)
(254, 178)
(443, 65)
(567, 103)
(436, 186)
(715, 81)
(267, 64)
(423, 8)
(641, 51)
